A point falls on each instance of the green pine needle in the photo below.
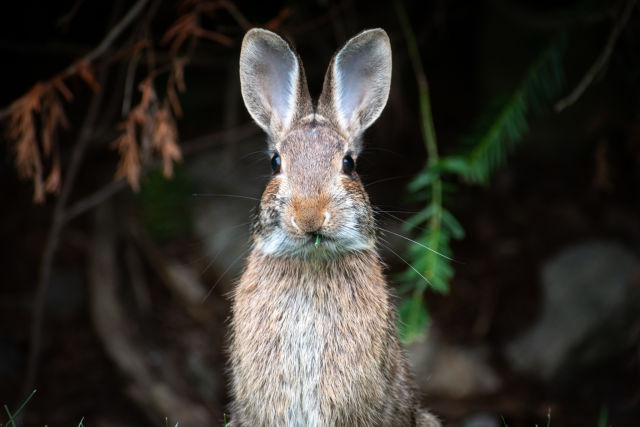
(490, 147)
(429, 258)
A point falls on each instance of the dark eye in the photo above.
(275, 163)
(348, 165)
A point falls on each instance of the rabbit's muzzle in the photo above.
(308, 215)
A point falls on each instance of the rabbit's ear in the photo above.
(273, 84)
(356, 86)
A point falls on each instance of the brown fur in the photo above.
(313, 338)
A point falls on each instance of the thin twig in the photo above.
(94, 199)
(114, 33)
(128, 83)
(53, 237)
(98, 51)
(602, 60)
(321, 20)
(236, 14)
(66, 19)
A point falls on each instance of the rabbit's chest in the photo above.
(301, 357)
(312, 354)
(325, 360)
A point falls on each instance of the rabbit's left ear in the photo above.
(272, 81)
(356, 86)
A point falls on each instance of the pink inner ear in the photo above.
(269, 72)
(351, 92)
(362, 73)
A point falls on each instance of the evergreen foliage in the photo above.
(429, 257)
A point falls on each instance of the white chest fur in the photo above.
(310, 344)
(301, 357)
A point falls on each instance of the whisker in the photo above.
(237, 196)
(417, 243)
(406, 262)
(378, 206)
(417, 227)
(253, 153)
(404, 212)
(215, 257)
(385, 150)
(393, 216)
(386, 179)
(224, 273)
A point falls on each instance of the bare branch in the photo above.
(98, 51)
(236, 14)
(115, 32)
(53, 238)
(602, 60)
(66, 19)
(94, 199)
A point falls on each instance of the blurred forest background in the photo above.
(130, 168)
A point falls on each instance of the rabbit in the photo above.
(313, 338)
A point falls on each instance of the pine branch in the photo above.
(430, 262)
(427, 267)
(508, 127)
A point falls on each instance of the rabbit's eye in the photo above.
(348, 165)
(275, 163)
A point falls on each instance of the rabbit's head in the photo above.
(315, 203)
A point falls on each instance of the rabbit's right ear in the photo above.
(356, 86)
(272, 81)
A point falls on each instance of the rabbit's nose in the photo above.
(308, 214)
(309, 220)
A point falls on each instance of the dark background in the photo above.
(573, 179)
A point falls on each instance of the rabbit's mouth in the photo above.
(320, 240)
(319, 244)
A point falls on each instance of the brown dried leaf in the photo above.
(165, 140)
(213, 35)
(174, 101)
(275, 23)
(62, 88)
(206, 6)
(22, 130)
(85, 71)
(178, 73)
(148, 94)
(129, 164)
(52, 116)
(53, 181)
(182, 29)
(188, 26)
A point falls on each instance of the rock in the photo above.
(583, 287)
(445, 369)
(481, 420)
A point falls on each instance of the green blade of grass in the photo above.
(603, 418)
(12, 416)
